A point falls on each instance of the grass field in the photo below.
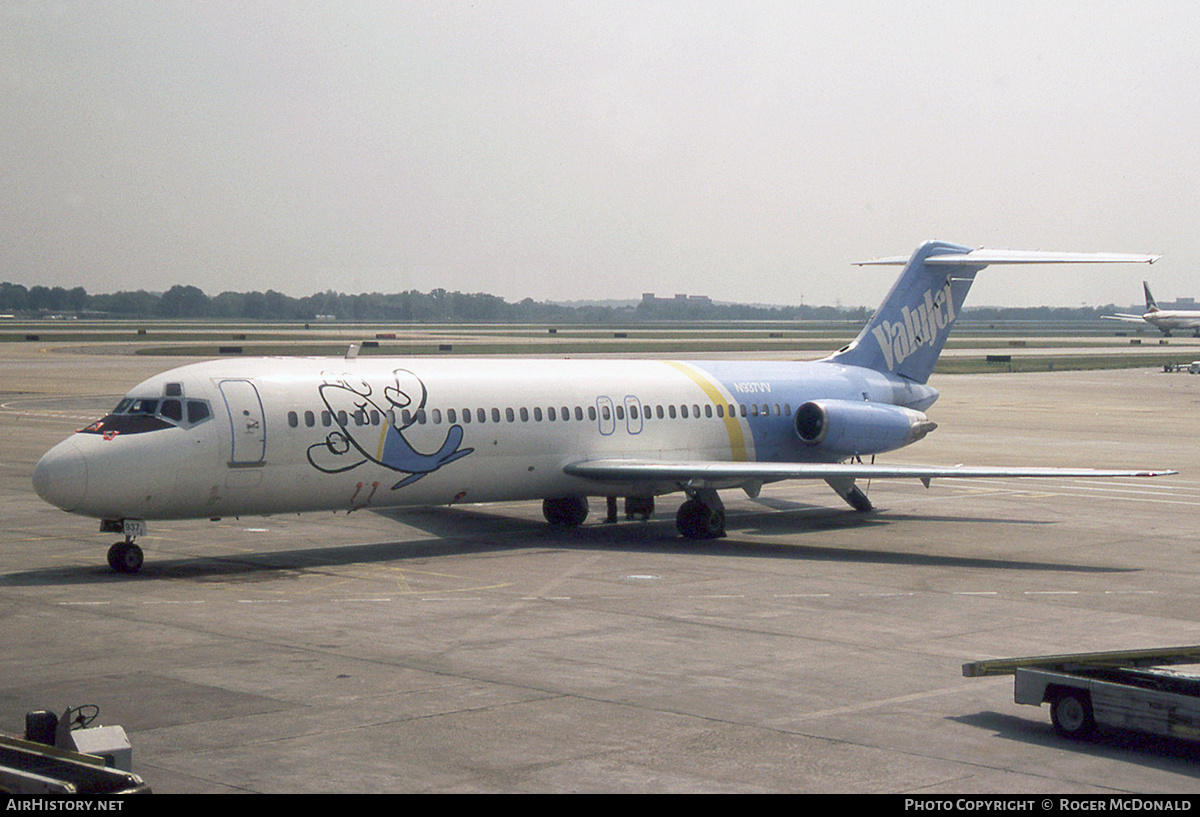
(973, 348)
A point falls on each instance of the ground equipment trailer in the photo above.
(1126, 689)
(68, 756)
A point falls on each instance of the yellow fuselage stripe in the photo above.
(737, 440)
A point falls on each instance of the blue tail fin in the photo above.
(910, 327)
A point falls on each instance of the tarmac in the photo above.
(474, 649)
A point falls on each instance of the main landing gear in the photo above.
(701, 516)
(565, 511)
(125, 557)
(571, 511)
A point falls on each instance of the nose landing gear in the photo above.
(125, 557)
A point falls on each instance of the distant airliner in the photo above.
(275, 435)
(1164, 320)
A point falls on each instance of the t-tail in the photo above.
(909, 329)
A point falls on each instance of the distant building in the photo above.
(681, 298)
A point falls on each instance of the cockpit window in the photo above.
(143, 407)
(172, 409)
(138, 415)
(197, 411)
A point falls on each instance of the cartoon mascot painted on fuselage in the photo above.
(357, 440)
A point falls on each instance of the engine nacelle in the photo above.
(848, 427)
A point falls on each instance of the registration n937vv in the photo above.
(273, 435)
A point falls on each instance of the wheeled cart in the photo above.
(1141, 690)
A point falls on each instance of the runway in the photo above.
(474, 649)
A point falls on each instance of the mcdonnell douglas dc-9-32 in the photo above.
(261, 436)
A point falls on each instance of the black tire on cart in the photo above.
(1071, 713)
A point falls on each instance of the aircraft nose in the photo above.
(60, 476)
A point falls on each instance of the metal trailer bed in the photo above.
(1125, 689)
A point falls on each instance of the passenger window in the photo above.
(495, 415)
(293, 419)
(509, 415)
(524, 415)
(436, 414)
(537, 414)
(326, 419)
(551, 414)
(310, 419)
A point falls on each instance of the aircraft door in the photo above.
(248, 424)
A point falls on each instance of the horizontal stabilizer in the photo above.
(986, 257)
(617, 470)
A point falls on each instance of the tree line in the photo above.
(438, 306)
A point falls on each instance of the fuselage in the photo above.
(1171, 319)
(273, 435)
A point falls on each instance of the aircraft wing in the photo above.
(1126, 318)
(699, 473)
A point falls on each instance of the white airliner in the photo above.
(1164, 320)
(236, 437)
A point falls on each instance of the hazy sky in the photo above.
(750, 151)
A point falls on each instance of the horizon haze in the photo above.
(568, 151)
